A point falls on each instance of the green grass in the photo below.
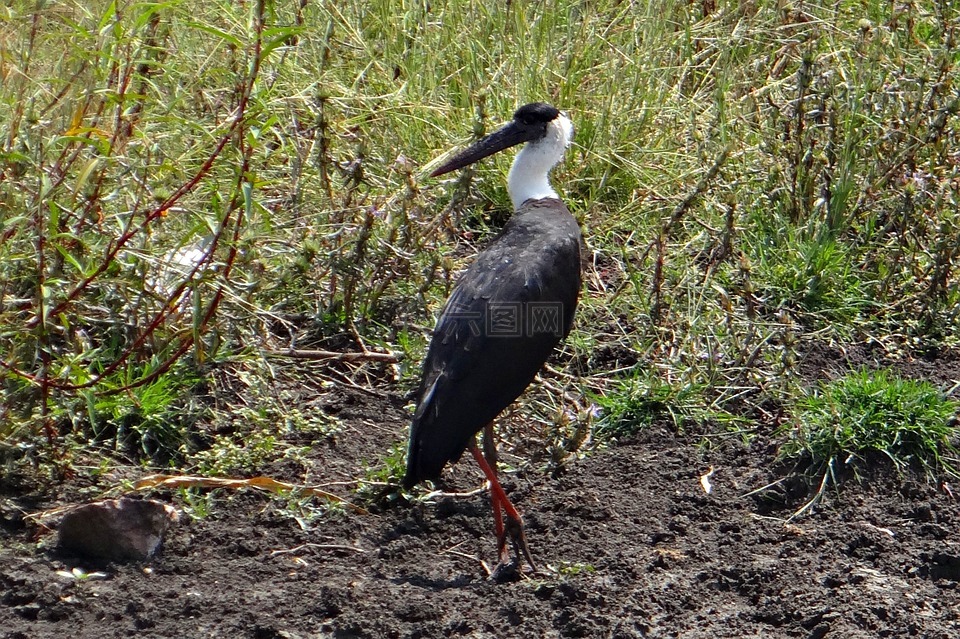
(380, 483)
(846, 422)
(638, 403)
(749, 176)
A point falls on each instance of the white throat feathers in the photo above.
(529, 175)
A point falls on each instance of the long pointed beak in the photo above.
(506, 136)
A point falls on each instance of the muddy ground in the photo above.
(629, 544)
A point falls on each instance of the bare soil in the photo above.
(629, 544)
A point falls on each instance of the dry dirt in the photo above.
(629, 543)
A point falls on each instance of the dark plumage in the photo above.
(471, 375)
(506, 314)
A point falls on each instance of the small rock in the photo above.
(116, 529)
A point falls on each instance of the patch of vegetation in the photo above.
(153, 421)
(381, 482)
(188, 189)
(262, 433)
(572, 569)
(815, 279)
(232, 454)
(637, 403)
(197, 503)
(847, 421)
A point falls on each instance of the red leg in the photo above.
(498, 521)
(490, 454)
(514, 524)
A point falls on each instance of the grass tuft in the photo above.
(636, 403)
(848, 420)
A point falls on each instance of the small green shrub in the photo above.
(910, 422)
(636, 403)
(381, 483)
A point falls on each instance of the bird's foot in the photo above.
(506, 572)
(509, 568)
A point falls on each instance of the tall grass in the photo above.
(183, 186)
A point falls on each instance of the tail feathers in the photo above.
(423, 465)
(411, 478)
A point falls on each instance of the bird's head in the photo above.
(539, 123)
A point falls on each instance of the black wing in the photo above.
(504, 318)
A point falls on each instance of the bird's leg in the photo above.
(494, 503)
(490, 447)
(514, 524)
(490, 453)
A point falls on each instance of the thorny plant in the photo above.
(76, 321)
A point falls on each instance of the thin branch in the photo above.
(368, 356)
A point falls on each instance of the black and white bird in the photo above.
(507, 313)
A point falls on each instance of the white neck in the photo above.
(528, 177)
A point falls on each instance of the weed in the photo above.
(815, 279)
(268, 431)
(637, 403)
(236, 454)
(147, 421)
(567, 435)
(381, 483)
(306, 511)
(572, 569)
(197, 503)
(846, 421)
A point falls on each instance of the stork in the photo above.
(507, 313)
